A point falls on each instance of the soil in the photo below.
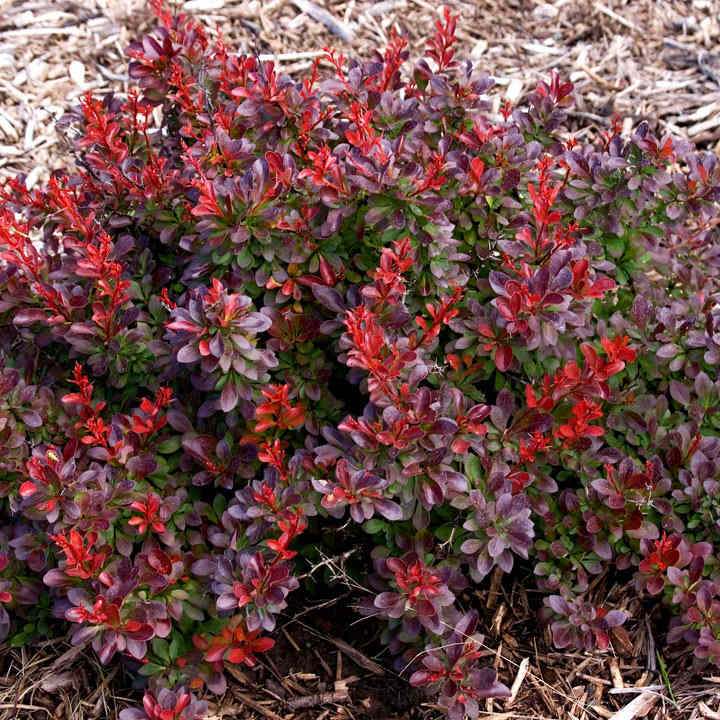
(329, 664)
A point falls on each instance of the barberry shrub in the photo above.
(261, 308)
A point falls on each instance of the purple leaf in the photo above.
(28, 316)
(229, 397)
(389, 510)
(680, 392)
(615, 618)
(329, 297)
(226, 602)
(188, 354)
(669, 350)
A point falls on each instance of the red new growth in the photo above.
(148, 519)
(234, 645)
(389, 286)
(325, 171)
(81, 562)
(583, 287)
(107, 613)
(101, 131)
(293, 526)
(441, 315)
(166, 301)
(207, 203)
(432, 178)
(393, 59)
(277, 411)
(230, 307)
(48, 477)
(5, 596)
(98, 431)
(155, 711)
(84, 397)
(578, 426)
(363, 135)
(583, 383)
(543, 197)
(17, 248)
(440, 45)
(664, 555)
(274, 455)
(416, 581)
(266, 497)
(618, 350)
(370, 352)
(554, 90)
(152, 420)
(537, 443)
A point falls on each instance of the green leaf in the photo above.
(473, 468)
(224, 258)
(169, 446)
(244, 258)
(374, 526)
(150, 668)
(20, 639)
(161, 649)
(615, 245)
(219, 504)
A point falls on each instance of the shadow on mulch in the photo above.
(328, 664)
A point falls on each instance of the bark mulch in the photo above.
(328, 664)
(646, 59)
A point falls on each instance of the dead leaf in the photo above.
(54, 681)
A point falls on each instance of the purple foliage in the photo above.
(355, 308)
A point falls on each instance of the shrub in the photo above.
(355, 303)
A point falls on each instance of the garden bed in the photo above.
(654, 60)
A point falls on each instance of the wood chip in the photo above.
(702, 112)
(546, 696)
(76, 71)
(701, 127)
(254, 705)
(380, 8)
(496, 624)
(356, 656)
(37, 70)
(203, 5)
(615, 675)
(41, 32)
(335, 26)
(706, 712)
(289, 57)
(514, 90)
(8, 128)
(338, 695)
(68, 657)
(540, 49)
(618, 18)
(494, 593)
(521, 673)
(638, 707)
